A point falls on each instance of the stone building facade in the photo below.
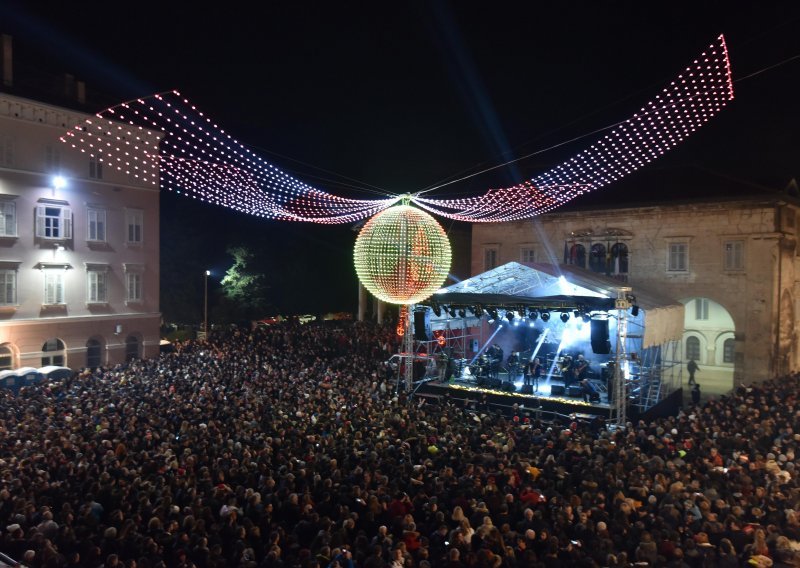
(79, 257)
(732, 262)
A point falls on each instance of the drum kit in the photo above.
(481, 367)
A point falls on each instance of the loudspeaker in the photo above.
(600, 342)
(422, 325)
(557, 389)
(493, 383)
(575, 391)
(509, 387)
(527, 389)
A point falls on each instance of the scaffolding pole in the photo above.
(408, 349)
(619, 409)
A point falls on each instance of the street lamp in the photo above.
(205, 304)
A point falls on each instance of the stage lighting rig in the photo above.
(564, 317)
(545, 316)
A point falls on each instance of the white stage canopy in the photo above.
(555, 288)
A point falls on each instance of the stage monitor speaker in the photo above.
(493, 383)
(557, 389)
(527, 389)
(422, 325)
(600, 343)
(575, 391)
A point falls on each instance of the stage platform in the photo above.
(551, 396)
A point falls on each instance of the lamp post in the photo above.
(205, 304)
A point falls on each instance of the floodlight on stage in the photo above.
(533, 314)
(462, 313)
(587, 318)
(477, 310)
(510, 315)
(565, 317)
(577, 314)
(437, 309)
(545, 316)
(492, 313)
(452, 312)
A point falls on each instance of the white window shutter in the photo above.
(66, 218)
(40, 221)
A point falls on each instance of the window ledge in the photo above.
(8, 308)
(53, 310)
(97, 244)
(97, 304)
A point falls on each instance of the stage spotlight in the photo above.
(587, 318)
(452, 312)
(477, 310)
(565, 317)
(462, 313)
(635, 311)
(492, 313)
(510, 315)
(437, 309)
(577, 314)
(533, 314)
(545, 316)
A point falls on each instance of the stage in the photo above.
(550, 395)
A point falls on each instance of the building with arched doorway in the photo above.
(732, 261)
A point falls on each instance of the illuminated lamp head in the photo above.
(545, 316)
(402, 255)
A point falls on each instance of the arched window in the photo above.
(6, 357)
(597, 260)
(132, 348)
(577, 255)
(94, 353)
(728, 350)
(54, 353)
(619, 252)
(693, 348)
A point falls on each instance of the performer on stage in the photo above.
(589, 391)
(513, 365)
(533, 371)
(581, 370)
(567, 371)
(495, 353)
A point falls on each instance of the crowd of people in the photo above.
(295, 446)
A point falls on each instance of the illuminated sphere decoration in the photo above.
(402, 255)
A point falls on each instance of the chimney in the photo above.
(80, 94)
(8, 61)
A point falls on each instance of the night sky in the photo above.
(365, 99)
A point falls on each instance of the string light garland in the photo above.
(163, 140)
(698, 94)
(402, 255)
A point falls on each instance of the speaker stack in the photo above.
(600, 343)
